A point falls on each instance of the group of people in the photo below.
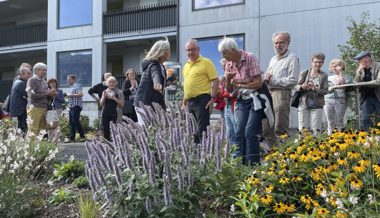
(256, 106)
(32, 97)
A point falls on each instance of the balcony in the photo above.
(21, 34)
(143, 18)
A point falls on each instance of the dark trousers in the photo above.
(106, 126)
(74, 115)
(21, 122)
(197, 106)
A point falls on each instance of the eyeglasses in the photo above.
(191, 49)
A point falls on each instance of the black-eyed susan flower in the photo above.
(353, 155)
(269, 188)
(297, 179)
(356, 184)
(252, 180)
(323, 212)
(284, 180)
(365, 162)
(342, 161)
(341, 214)
(266, 199)
(376, 168)
(358, 168)
(320, 190)
(279, 208)
(290, 208)
(316, 174)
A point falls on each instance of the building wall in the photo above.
(314, 26)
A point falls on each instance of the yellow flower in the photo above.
(297, 179)
(269, 188)
(307, 200)
(279, 208)
(266, 199)
(333, 202)
(353, 155)
(342, 161)
(323, 212)
(356, 184)
(358, 168)
(365, 162)
(320, 190)
(284, 181)
(290, 208)
(376, 168)
(293, 156)
(362, 134)
(316, 174)
(252, 180)
(340, 214)
(343, 146)
(284, 136)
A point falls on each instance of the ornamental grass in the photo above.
(316, 176)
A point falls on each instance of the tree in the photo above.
(365, 36)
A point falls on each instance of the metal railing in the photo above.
(23, 34)
(147, 17)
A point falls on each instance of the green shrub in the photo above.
(62, 195)
(81, 182)
(22, 162)
(69, 171)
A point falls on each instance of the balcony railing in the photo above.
(23, 34)
(148, 17)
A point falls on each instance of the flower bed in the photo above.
(316, 176)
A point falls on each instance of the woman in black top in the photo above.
(152, 83)
(112, 102)
(129, 88)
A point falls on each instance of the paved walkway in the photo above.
(77, 149)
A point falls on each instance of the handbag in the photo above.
(295, 100)
(312, 100)
(51, 117)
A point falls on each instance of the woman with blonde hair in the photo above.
(129, 88)
(335, 100)
(152, 83)
(112, 102)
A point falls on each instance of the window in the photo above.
(74, 13)
(204, 4)
(209, 49)
(78, 63)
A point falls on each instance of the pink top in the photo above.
(246, 71)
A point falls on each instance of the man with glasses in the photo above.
(200, 87)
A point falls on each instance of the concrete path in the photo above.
(77, 149)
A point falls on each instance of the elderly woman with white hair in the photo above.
(243, 73)
(38, 95)
(151, 88)
(112, 103)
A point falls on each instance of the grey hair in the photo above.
(158, 50)
(286, 34)
(318, 55)
(223, 60)
(106, 75)
(228, 44)
(39, 66)
(24, 69)
(192, 41)
(111, 78)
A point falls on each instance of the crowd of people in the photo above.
(254, 104)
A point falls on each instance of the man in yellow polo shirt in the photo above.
(200, 87)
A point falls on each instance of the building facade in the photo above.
(88, 37)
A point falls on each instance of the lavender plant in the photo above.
(155, 169)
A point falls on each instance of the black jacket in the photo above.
(152, 74)
(18, 97)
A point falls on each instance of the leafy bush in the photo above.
(62, 195)
(156, 170)
(336, 176)
(69, 171)
(364, 36)
(81, 182)
(22, 161)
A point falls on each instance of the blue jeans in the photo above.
(248, 128)
(229, 118)
(369, 106)
(74, 115)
